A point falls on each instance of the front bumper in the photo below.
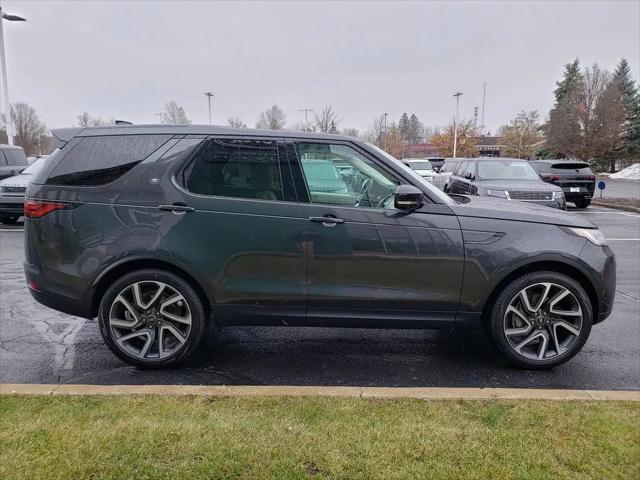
(12, 208)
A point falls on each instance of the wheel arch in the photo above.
(554, 266)
(132, 265)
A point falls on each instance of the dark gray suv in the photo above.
(161, 231)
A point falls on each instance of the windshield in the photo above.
(35, 166)
(433, 191)
(421, 165)
(519, 170)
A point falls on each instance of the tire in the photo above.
(583, 203)
(562, 341)
(9, 219)
(177, 317)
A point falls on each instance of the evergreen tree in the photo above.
(416, 130)
(630, 145)
(571, 81)
(404, 126)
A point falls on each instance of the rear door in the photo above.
(231, 216)
(368, 263)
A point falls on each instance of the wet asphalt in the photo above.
(39, 345)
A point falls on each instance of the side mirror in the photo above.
(468, 176)
(408, 197)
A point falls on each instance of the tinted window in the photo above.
(339, 175)
(448, 167)
(236, 168)
(16, 157)
(461, 169)
(570, 166)
(3, 160)
(100, 160)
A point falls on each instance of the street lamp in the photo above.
(455, 124)
(306, 121)
(3, 66)
(209, 95)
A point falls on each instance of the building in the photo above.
(489, 146)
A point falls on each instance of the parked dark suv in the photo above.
(575, 178)
(161, 231)
(508, 178)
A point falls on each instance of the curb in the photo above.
(626, 208)
(423, 393)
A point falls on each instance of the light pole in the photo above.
(306, 122)
(385, 131)
(455, 124)
(3, 65)
(209, 95)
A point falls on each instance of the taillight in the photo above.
(551, 178)
(37, 209)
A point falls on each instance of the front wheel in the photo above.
(583, 203)
(152, 319)
(541, 320)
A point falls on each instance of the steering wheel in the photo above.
(364, 192)
(383, 203)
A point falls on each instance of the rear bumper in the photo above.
(51, 295)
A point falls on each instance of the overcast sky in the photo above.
(125, 60)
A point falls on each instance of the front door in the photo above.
(231, 216)
(368, 263)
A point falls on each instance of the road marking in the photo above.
(598, 212)
(11, 230)
(624, 239)
(423, 393)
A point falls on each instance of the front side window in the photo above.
(339, 175)
(236, 168)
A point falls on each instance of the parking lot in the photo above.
(38, 345)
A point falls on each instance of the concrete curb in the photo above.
(423, 393)
(626, 208)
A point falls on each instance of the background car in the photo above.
(436, 162)
(441, 180)
(12, 160)
(575, 178)
(12, 191)
(511, 179)
(421, 167)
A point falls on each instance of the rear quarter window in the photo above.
(101, 160)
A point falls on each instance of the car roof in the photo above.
(66, 134)
(5, 146)
(416, 160)
(560, 160)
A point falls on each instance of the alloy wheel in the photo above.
(543, 321)
(150, 320)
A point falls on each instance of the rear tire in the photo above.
(152, 319)
(549, 336)
(583, 203)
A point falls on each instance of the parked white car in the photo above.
(421, 167)
(441, 180)
(12, 191)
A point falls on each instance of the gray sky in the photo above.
(125, 60)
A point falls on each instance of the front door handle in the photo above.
(176, 208)
(326, 220)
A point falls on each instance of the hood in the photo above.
(502, 209)
(518, 185)
(16, 181)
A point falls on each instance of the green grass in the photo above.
(196, 437)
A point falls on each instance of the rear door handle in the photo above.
(326, 220)
(176, 208)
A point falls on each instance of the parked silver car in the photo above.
(12, 191)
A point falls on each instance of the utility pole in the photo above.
(209, 95)
(306, 121)
(484, 95)
(3, 66)
(455, 124)
(475, 117)
(385, 131)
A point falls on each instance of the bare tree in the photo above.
(350, 132)
(87, 120)
(302, 127)
(272, 119)
(595, 81)
(375, 132)
(236, 123)
(28, 127)
(327, 120)
(174, 114)
(522, 135)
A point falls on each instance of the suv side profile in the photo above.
(163, 231)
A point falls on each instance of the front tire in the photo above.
(583, 203)
(541, 320)
(152, 319)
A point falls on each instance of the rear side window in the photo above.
(100, 160)
(16, 157)
(236, 168)
(3, 159)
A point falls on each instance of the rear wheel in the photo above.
(541, 320)
(152, 319)
(9, 219)
(583, 202)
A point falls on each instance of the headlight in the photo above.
(594, 235)
(557, 195)
(498, 193)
